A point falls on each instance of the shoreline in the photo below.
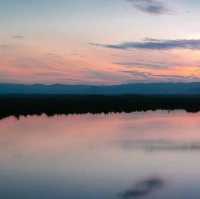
(17, 105)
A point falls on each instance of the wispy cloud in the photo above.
(150, 76)
(155, 44)
(145, 64)
(143, 189)
(4, 46)
(138, 74)
(154, 7)
(18, 37)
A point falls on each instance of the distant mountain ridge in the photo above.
(134, 88)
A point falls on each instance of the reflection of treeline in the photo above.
(66, 104)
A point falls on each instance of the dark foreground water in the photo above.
(152, 155)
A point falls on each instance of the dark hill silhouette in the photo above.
(18, 99)
(138, 89)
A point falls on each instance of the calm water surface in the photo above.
(153, 155)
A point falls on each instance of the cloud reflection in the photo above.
(159, 145)
(143, 188)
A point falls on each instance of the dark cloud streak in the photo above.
(153, 7)
(154, 44)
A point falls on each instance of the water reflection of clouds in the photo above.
(56, 150)
(159, 145)
(143, 188)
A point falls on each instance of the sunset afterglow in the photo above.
(99, 42)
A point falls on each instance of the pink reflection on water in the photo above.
(36, 133)
(99, 150)
(43, 136)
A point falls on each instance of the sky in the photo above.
(99, 42)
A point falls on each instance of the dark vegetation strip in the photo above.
(17, 105)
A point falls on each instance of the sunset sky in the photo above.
(99, 41)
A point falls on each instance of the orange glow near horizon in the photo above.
(93, 65)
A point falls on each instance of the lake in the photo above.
(151, 155)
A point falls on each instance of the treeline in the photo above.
(17, 105)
